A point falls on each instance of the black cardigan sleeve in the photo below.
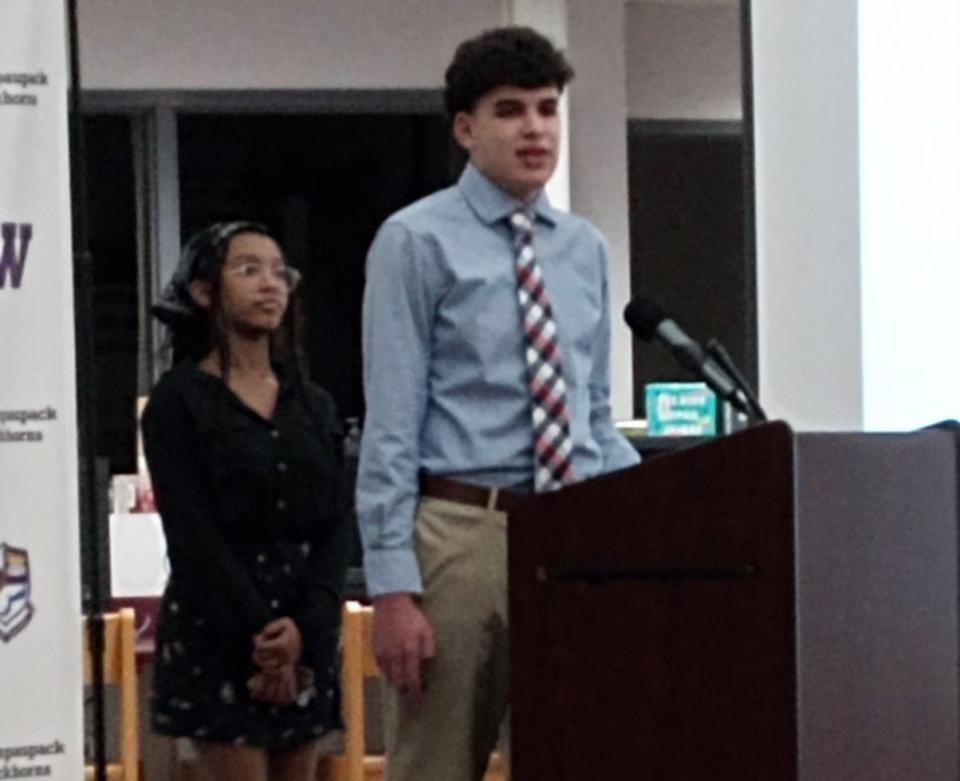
(186, 509)
(319, 620)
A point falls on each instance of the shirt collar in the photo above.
(286, 376)
(491, 204)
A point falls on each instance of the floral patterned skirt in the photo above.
(201, 672)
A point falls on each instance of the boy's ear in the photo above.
(463, 129)
(202, 293)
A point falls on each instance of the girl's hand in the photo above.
(278, 644)
(277, 687)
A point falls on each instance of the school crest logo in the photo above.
(15, 608)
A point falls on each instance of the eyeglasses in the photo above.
(285, 275)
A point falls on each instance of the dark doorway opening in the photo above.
(325, 183)
(687, 233)
(111, 210)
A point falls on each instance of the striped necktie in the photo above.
(552, 443)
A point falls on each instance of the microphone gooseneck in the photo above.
(650, 322)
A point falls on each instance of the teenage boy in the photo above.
(486, 367)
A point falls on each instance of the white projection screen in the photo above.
(910, 211)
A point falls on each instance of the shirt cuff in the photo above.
(621, 457)
(392, 571)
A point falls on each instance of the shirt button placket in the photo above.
(281, 468)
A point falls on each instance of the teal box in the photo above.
(680, 409)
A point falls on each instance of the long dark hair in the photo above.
(192, 331)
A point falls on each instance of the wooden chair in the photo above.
(119, 669)
(359, 664)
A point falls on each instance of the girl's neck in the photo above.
(248, 358)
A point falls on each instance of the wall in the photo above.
(683, 61)
(598, 162)
(251, 44)
(808, 240)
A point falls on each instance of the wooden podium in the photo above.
(767, 606)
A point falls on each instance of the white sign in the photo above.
(41, 714)
(138, 555)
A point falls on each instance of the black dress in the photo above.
(254, 518)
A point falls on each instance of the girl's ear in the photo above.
(202, 293)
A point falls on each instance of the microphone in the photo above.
(650, 323)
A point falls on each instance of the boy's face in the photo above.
(512, 136)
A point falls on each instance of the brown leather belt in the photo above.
(501, 499)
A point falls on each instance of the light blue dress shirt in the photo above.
(445, 375)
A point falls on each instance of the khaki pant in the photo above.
(462, 551)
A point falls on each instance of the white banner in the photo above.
(41, 709)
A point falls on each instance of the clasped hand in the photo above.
(276, 650)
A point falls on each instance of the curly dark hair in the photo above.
(505, 56)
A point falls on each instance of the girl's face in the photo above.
(255, 284)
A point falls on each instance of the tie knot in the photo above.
(521, 221)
